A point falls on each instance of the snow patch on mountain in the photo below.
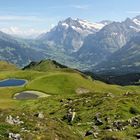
(136, 21)
(82, 26)
(136, 29)
(65, 25)
(91, 26)
(69, 34)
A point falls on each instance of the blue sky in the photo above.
(41, 15)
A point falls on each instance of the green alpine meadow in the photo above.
(70, 70)
(74, 106)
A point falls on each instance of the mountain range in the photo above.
(98, 47)
(17, 51)
(126, 59)
(69, 34)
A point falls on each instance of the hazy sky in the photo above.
(35, 16)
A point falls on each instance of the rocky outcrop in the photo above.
(71, 115)
(82, 91)
(39, 115)
(13, 121)
(13, 136)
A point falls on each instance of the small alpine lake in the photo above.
(12, 82)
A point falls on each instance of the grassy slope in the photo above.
(87, 106)
(57, 83)
(44, 65)
(61, 84)
(5, 66)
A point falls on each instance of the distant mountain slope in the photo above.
(16, 51)
(97, 47)
(5, 66)
(116, 78)
(127, 59)
(127, 79)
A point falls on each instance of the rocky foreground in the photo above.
(103, 116)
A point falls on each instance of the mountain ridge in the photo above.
(74, 42)
(71, 31)
(45, 65)
(127, 59)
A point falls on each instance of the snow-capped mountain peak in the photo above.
(82, 26)
(89, 25)
(70, 33)
(136, 20)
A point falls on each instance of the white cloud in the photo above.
(52, 26)
(20, 32)
(82, 7)
(20, 18)
(133, 12)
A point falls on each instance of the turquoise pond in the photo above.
(12, 82)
